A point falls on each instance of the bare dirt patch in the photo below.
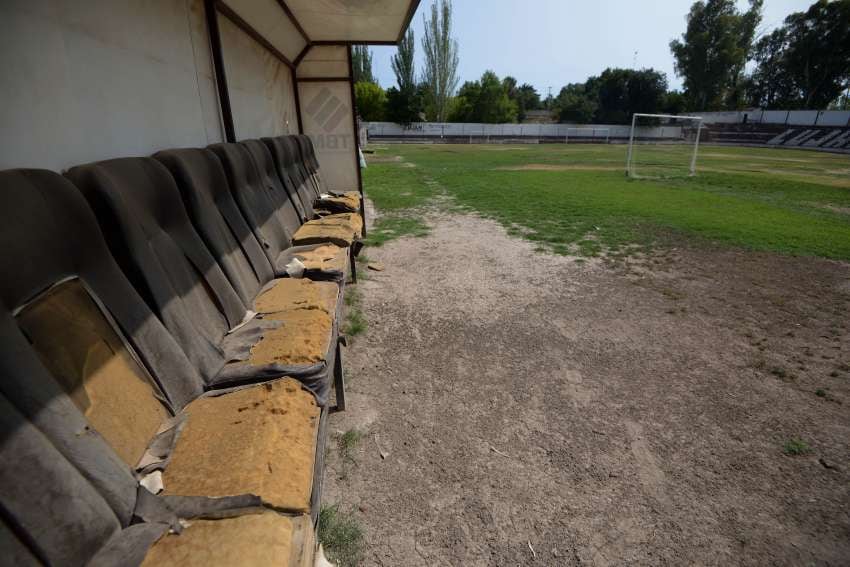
(554, 167)
(605, 414)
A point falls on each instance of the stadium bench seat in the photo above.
(107, 352)
(95, 513)
(311, 166)
(218, 219)
(149, 232)
(286, 156)
(262, 195)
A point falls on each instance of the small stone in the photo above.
(376, 266)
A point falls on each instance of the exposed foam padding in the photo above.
(341, 229)
(291, 293)
(304, 338)
(259, 540)
(259, 440)
(87, 357)
(324, 258)
(348, 202)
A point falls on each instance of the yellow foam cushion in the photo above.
(347, 201)
(258, 540)
(290, 293)
(260, 440)
(304, 338)
(327, 257)
(85, 354)
(341, 229)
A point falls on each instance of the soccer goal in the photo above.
(663, 145)
(587, 135)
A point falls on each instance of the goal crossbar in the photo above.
(697, 119)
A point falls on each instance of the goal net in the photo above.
(662, 145)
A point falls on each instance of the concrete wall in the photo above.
(85, 81)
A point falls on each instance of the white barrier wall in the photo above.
(791, 118)
(453, 130)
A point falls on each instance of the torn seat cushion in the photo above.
(341, 229)
(321, 261)
(260, 540)
(259, 440)
(349, 202)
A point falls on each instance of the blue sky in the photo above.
(555, 42)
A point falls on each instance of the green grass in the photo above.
(341, 536)
(389, 227)
(398, 192)
(795, 447)
(786, 201)
(346, 444)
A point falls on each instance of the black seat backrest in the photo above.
(308, 152)
(49, 234)
(269, 175)
(305, 166)
(261, 204)
(209, 202)
(145, 223)
(286, 154)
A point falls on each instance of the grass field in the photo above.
(576, 199)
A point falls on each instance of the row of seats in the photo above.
(168, 342)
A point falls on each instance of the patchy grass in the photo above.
(341, 536)
(346, 444)
(355, 322)
(795, 447)
(390, 227)
(581, 202)
(399, 192)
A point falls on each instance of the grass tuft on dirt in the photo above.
(795, 447)
(341, 536)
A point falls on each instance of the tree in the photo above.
(806, 62)
(674, 103)
(575, 104)
(525, 97)
(713, 51)
(441, 59)
(402, 63)
(371, 101)
(485, 100)
(818, 53)
(361, 64)
(403, 106)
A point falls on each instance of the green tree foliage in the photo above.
(674, 103)
(525, 96)
(576, 104)
(403, 65)
(361, 64)
(371, 101)
(404, 103)
(613, 96)
(806, 62)
(403, 106)
(441, 60)
(623, 92)
(713, 51)
(485, 100)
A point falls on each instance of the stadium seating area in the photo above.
(170, 350)
(834, 138)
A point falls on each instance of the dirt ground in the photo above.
(535, 410)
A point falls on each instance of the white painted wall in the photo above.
(85, 81)
(262, 96)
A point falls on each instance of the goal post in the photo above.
(663, 143)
